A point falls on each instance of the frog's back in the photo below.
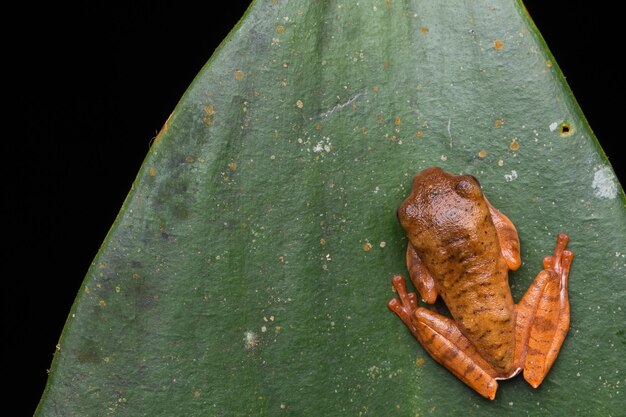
(472, 279)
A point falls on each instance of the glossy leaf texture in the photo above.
(249, 268)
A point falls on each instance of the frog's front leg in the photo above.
(543, 315)
(507, 236)
(420, 276)
(443, 340)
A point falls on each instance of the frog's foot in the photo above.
(443, 340)
(405, 306)
(543, 315)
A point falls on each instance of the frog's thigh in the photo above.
(420, 276)
(443, 340)
(507, 236)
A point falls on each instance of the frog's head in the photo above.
(441, 205)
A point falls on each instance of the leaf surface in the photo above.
(249, 268)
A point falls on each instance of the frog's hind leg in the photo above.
(443, 340)
(420, 276)
(543, 315)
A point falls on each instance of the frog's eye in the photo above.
(468, 186)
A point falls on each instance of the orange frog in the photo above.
(461, 248)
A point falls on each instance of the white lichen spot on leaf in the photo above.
(511, 176)
(323, 145)
(603, 184)
(250, 340)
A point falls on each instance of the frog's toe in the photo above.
(405, 305)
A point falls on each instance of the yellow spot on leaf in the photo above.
(549, 63)
(424, 29)
(498, 44)
(397, 121)
(152, 171)
(367, 247)
(102, 303)
(322, 241)
(420, 361)
(238, 75)
(419, 134)
(514, 146)
(499, 123)
(389, 4)
(196, 393)
(232, 166)
(210, 111)
(391, 137)
(280, 29)
(482, 154)
(385, 64)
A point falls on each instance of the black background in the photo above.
(93, 84)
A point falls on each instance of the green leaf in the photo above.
(249, 268)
